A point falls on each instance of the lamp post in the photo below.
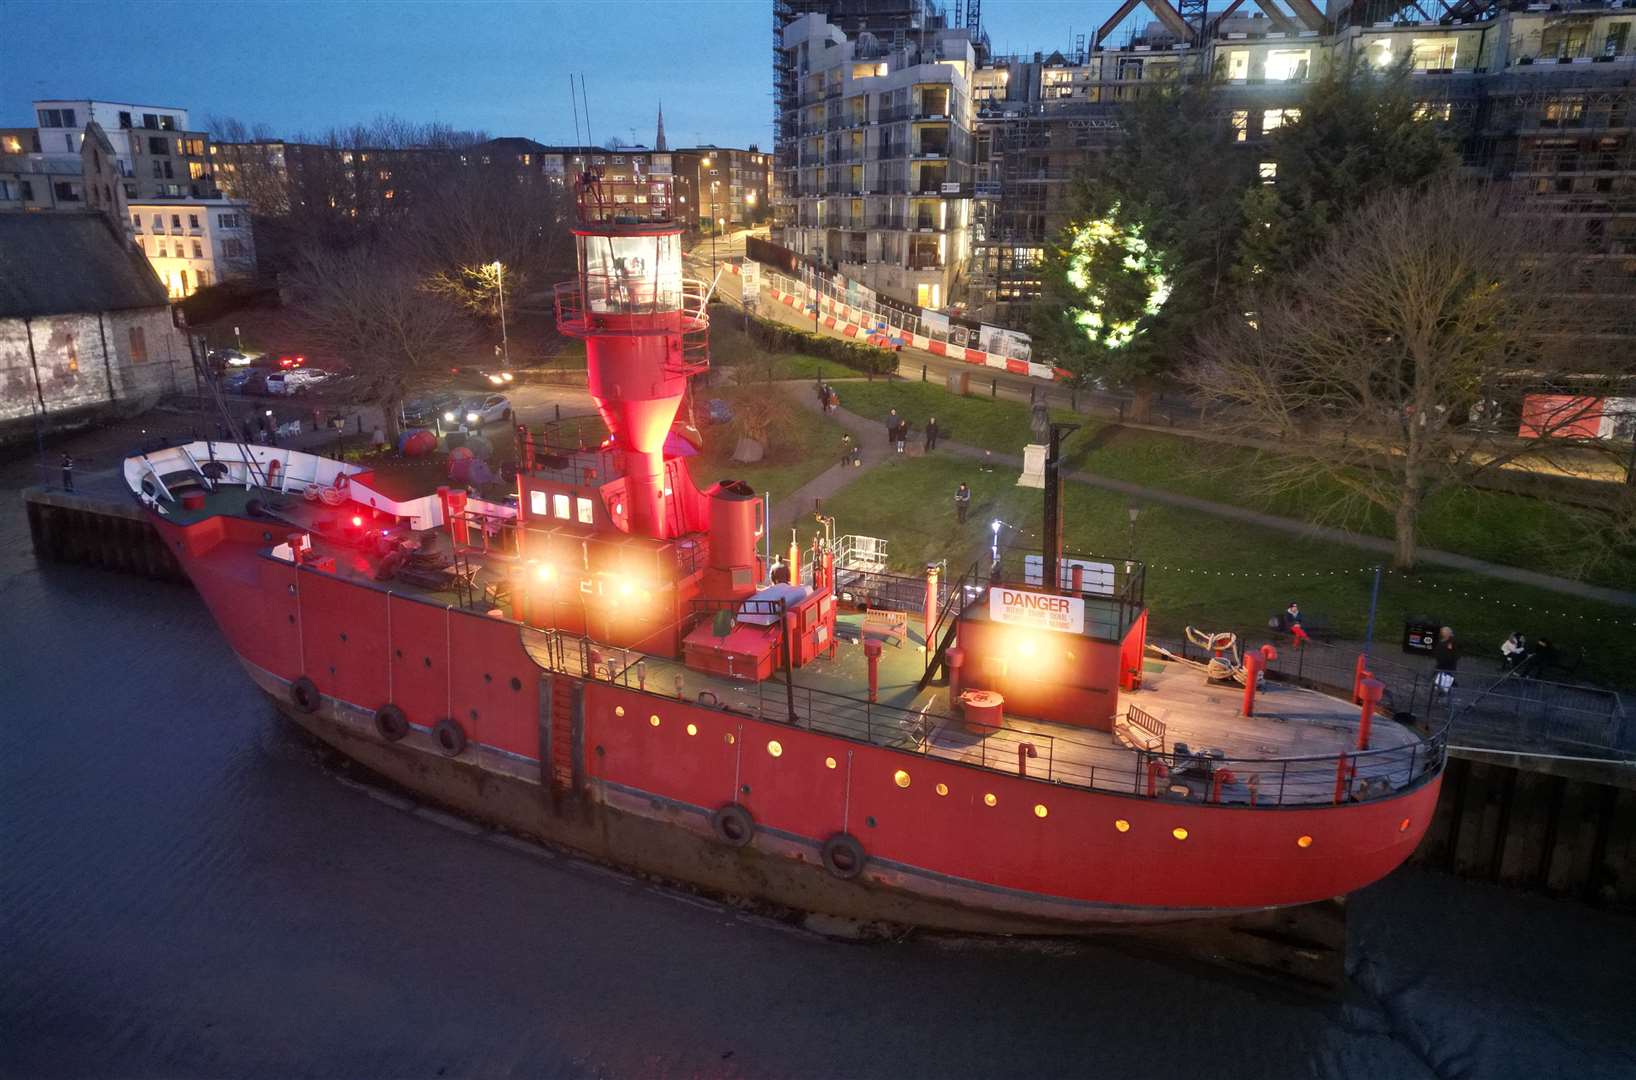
(1134, 512)
(500, 284)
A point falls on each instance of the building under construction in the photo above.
(1539, 97)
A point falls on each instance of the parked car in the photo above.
(273, 383)
(427, 411)
(298, 379)
(256, 383)
(484, 377)
(477, 411)
(234, 382)
(230, 357)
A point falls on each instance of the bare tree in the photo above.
(374, 309)
(1392, 364)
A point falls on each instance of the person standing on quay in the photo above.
(962, 502)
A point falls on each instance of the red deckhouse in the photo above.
(609, 664)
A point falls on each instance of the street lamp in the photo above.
(1131, 545)
(500, 283)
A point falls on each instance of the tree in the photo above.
(1147, 255)
(1360, 131)
(1380, 364)
(373, 307)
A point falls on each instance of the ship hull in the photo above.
(649, 834)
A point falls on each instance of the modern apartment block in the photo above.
(158, 156)
(874, 142)
(1540, 98)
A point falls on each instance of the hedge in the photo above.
(870, 359)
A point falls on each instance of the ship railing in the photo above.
(1177, 774)
(961, 592)
(598, 303)
(558, 451)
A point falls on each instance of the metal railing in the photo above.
(961, 593)
(1177, 774)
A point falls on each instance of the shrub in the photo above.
(776, 337)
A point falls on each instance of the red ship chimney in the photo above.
(644, 327)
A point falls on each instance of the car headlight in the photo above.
(471, 418)
(506, 375)
(496, 380)
(449, 416)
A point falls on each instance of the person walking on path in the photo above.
(931, 434)
(1446, 656)
(962, 502)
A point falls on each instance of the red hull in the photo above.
(1001, 850)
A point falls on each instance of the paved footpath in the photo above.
(869, 435)
(874, 445)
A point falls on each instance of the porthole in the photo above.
(728, 738)
(775, 748)
(1040, 810)
(1179, 833)
(900, 778)
(942, 789)
(1122, 825)
(990, 800)
(829, 763)
(654, 720)
(692, 729)
(619, 710)
(1305, 842)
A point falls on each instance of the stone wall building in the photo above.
(85, 325)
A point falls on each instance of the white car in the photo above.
(477, 411)
(298, 379)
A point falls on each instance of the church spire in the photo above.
(659, 140)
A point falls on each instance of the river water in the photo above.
(185, 891)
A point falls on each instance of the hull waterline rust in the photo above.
(610, 664)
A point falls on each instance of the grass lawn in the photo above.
(1210, 573)
(806, 444)
(1495, 526)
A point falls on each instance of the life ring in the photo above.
(304, 692)
(390, 723)
(733, 825)
(843, 856)
(450, 736)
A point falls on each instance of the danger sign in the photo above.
(1041, 611)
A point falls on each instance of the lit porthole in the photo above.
(829, 763)
(654, 720)
(692, 729)
(1403, 826)
(775, 748)
(1304, 841)
(1122, 825)
(728, 738)
(990, 799)
(1040, 810)
(1179, 833)
(619, 710)
(942, 789)
(900, 778)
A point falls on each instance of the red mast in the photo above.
(644, 326)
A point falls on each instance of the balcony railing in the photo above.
(925, 262)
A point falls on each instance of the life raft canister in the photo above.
(304, 692)
(733, 825)
(390, 723)
(450, 736)
(843, 856)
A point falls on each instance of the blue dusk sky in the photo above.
(501, 67)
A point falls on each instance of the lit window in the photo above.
(990, 800)
(1288, 63)
(1269, 172)
(1305, 842)
(775, 748)
(536, 503)
(1273, 119)
(829, 763)
(692, 729)
(900, 778)
(1179, 833)
(942, 789)
(1241, 124)
(559, 505)
(1040, 810)
(619, 710)
(1122, 825)
(654, 720)
(583, 506)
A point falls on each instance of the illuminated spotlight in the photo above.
(357, 521)
(545, 572)
(1025, 646)
(625, 588)
(995, 525)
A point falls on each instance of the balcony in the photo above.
(843, 187)
(925, 262)
(887, 221)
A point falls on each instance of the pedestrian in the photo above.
(931, 434)
(834, 401)
(1446, 656)
(962, 502)
(988, 462)
(846, 448)
(891, 427)
(67, 473)
(1514, 651)
(901, 439)
(1290, 623)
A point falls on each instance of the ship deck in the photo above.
(1289, 752)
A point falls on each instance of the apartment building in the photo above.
(874, 142)
(88, 179)
(1540, 98)
(194, 243)
(724, 185)
(157, 155)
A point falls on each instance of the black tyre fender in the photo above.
(390, 723)
(733, 825)
(450, 736)
(304, 693)
(843, 856)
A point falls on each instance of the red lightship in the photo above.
(613, 666)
